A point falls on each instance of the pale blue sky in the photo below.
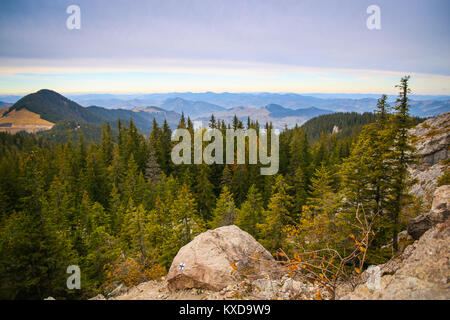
(232, 45)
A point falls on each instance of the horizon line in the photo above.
(76, 93)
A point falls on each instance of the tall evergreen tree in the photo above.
(251, 212)
(401, 155)
(277, 216)
(204, 193)
(152, 170)
(225, 211)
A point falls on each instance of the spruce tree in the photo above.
(251, 212)
(277, 216)
(225, 211)
(185, 219)
(204, 193)
(401, 155)
(152, 169)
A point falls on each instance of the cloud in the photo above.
(271, 45)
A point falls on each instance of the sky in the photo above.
(144, 46)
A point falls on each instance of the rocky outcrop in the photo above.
(209, 261)
(260, 289)
(440, 211)
(222, 264)
(432, 141)
(422, 271)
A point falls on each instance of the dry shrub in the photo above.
(131, 271)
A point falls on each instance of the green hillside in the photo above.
(54, 107)
(347, 122)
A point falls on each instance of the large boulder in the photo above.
(211, 259)
(440, 211)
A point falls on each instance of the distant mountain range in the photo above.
(195, 104)
(4, 104)
(200, 104)
(191, 108)
(45, 108)
(278, 115)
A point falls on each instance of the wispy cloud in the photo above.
(233, 45)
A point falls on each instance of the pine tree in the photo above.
(116, 210)
(212, 122)
(204, 193)
(94, 177)
(277, 216)
(321, 153)
(166, 149)
(116, 170)
(152, 169)
(299, 191)
(130, 181)
(239, 183)
(300, 153)
(227, 177)
(107, 145)
(401, 155)
(322, 198)
(250, 214)
(185, 219)
(322, 223)
(182, 122)
(134, 231)
(225, 211)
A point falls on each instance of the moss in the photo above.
(434, 132)
(376, 256)
(444, 179)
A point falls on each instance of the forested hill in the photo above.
(70, 118)
(54, 107)
(346, 122)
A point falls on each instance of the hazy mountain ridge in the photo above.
(292, 109)
(277, 114)
(4, 104)
(421, 105)
(208, 102)
(142, 117)
(191, 108)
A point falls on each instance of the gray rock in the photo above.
(121, 289)
(440, 211)
(374, 280)
(423, 273)
(266, 288)
(418, 226)
(432, 141)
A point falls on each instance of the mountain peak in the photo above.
(273, 107)
(52, 106)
